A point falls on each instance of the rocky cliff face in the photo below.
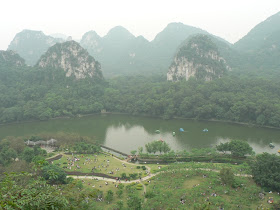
(198, 58)
(11, 58)
(73, 59)
(30, 45)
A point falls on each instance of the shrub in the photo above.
(123, 176)
(149, 194)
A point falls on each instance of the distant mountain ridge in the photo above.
(262, 44)
(121, 52)
(259, 34)
(30, 45)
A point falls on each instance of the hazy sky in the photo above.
(230, 20)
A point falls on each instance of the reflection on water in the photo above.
(127, 133)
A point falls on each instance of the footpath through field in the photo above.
(150, 176)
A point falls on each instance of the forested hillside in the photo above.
(249, 99)
(33, 93)
(199, 58)
(248, 92)
(36, 94)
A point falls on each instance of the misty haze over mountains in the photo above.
(120, 52)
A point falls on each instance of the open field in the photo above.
(179, 185)
(200, 189)
(100, 163)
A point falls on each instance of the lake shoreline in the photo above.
(143, 115)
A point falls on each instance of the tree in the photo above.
(134, 202)
(6, 152)
(157, 146)
(149, 148)
(120, 205)
(109, 196)
(53, 174)
(165, 147)
(266, 170)
(123, 176)
(119, 193)
(140, 150)
(227, 176)
(237, 148)
(28, 154)
(223, 147)
(133, 152)
(82, 147)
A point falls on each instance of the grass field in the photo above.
(101, 163)
(203, 190)
(178, 186)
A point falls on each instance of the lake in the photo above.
(126, 133)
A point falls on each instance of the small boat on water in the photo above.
(173, 133)
(205, 130)
(157, 131)
(181, 129)
(271, 145)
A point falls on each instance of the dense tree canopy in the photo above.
(157, 146)
(237, 148)
(85, 148)
(266, 171)
(54, 174)
(34, 194)
(28, 93)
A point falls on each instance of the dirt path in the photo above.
(124, 161)
(113, 180)
(144, 191)
(150, 176)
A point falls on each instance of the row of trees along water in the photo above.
(34, 94)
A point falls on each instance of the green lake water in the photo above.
(126, 133)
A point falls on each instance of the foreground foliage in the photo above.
(20, 191)
(266, 171)
(193, 185)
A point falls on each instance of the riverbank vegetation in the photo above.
(32, 94)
